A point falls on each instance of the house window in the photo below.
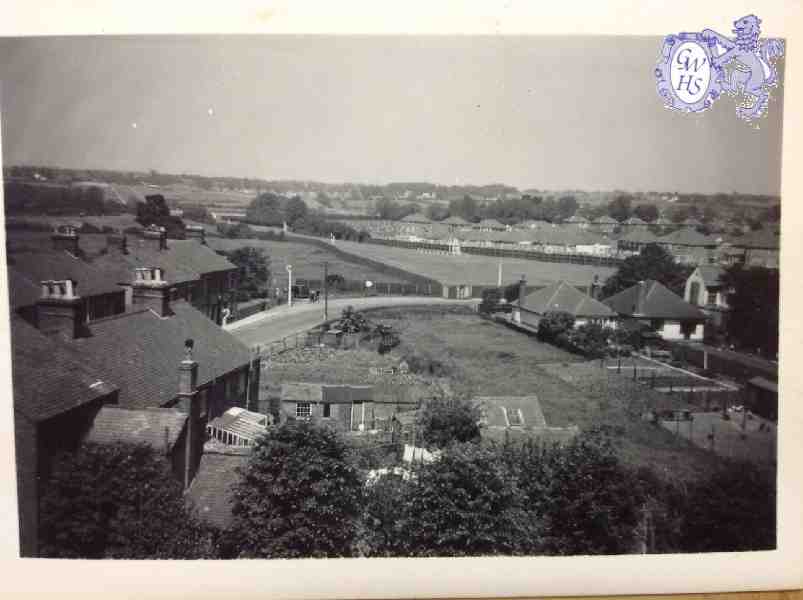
(694, 293)
(712, 298)
(514, 417)
(303, 410)
(657, 324)
(241, 383)
(327, 411)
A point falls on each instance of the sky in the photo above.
(552, 113)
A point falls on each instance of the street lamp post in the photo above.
(289, 286)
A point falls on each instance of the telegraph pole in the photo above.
(325, 291)
(289, 286)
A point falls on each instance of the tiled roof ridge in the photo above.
(123, 315)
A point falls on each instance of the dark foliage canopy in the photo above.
(299, 496)
(118, 501)
(653, 262)
(754, 307)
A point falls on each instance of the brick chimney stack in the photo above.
(158, 235)
(189, 403)
(60, 311)
(196, 232)
(150, 290)
(66, 238)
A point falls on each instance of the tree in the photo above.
(653, 262)
(567, 206)
(753, 298)
(463, 504)
(590, 339)
(554, 324)
(118, 501)
(437, 212)
(588, 500)
(295, 210)
(732, 511)
(254, 266)
(266, 209)
(444, 421)
(646, 212)
(299, 497)
(352, 321)
(619, 208)
(465, 207)
(154, 211)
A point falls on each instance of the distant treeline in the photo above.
(58, 199)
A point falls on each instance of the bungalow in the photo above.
(560, 297)
(705, 288)
(651, 303)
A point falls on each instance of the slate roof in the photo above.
(182, 261)
(560, 296)
(140, 352)
(211, 493)
(21, 290)
(160, 428)
(50, 377)
(652, 300)
(330, 394)
(92, 278)
(712, 275)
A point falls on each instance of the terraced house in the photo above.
(117, 378)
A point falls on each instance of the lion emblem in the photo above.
(746, 65)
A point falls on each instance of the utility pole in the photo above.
(289, 286)
(325, 291)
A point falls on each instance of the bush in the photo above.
(300, 496)
(444, 421)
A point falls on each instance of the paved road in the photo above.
(275, 324)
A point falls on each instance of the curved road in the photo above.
(273, 325)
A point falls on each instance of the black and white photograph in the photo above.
(395, 296)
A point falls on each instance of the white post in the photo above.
(289, 286)
(499, 275)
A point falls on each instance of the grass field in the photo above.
(477, 270)
(307, 260)
(489, 359)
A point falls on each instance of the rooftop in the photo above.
(651, 299)
(138, 352)
(160, 428)
(211, 493)
(561, 296)
(50, 377)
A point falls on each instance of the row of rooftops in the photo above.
(647, 299)
(574, 219)
(99, 263)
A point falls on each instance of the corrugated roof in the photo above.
(160, 428)
(140, 352)
(50, 377)
(652, 300)
(211, 493)
(561, 296)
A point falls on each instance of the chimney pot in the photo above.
(59, 311)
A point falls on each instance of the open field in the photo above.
(307, 260)
(491, 360)
(476, 270)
